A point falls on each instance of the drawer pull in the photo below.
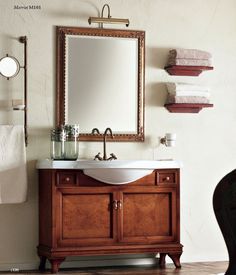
(67, 179)
(167, 178)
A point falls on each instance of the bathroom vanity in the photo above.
(105, 207)
(80, 215)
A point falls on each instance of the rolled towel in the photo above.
(189, 53)
(189, 62)
(187, 99)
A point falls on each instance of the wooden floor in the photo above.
(210, 268)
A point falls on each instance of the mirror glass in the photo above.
(9, 66)
(100, 75)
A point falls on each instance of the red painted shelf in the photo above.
(186, 107)
(186, 70)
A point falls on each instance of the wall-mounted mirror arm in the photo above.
(107, 20)
(9, 68)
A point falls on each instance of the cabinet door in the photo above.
(148, 216)
(85, 217)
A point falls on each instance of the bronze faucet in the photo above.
(104, 143)
(98, 156)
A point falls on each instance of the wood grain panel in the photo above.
(86, 216)
(147, 215)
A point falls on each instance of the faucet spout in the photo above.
(107, 131)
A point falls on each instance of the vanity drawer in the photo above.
(166, 177)
(66, 178)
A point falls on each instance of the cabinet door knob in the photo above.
(119, 204)
(115, 204)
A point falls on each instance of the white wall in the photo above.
(206, 141)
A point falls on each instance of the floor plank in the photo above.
(206, 268)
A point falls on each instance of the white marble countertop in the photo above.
(92, 164)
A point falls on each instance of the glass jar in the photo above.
(71, 142)
(58, 143)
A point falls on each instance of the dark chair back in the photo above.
(224, 204)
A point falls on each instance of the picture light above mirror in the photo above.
(107, 20)
(100, 81)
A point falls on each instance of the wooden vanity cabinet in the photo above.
(79, 215)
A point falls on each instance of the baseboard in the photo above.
(83, 263)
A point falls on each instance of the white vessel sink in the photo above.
(117, 175)
(112, 172)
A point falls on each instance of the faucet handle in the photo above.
(98, 156)
(112, 156)
(95, 131)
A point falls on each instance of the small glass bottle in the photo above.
(57, 143)
(71, 142)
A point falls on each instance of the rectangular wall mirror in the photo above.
(100, 81)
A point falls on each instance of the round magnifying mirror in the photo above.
(9, 66)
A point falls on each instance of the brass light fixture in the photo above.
(107, 20)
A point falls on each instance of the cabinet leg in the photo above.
(175, 257)
(55, 263)
(42, 263)
(162, 260)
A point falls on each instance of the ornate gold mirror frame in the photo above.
(62, 33)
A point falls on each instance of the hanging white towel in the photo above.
(13, 176)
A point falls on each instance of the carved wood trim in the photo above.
(61, 33)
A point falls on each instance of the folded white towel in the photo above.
(190, 53)
(190, 93)
(187, 99)
(184, 89)
(189, 62)
(13, 176)
(180, 86)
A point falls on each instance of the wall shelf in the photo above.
(186, 70)
(186, 107)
